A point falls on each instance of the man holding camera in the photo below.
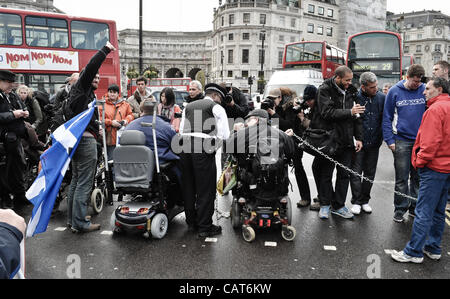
(235, 102)
(118, 114)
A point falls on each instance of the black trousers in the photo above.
(300, 176)
(199, 186)
(365, 163)
(15, 167)
(324, 173)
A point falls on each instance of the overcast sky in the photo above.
(189, 15)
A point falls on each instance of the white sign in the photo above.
(44, 60)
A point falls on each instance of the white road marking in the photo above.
(330, 248)
(270, 244)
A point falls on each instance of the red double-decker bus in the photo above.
(43, 49)
(379, 52)
(316, 55)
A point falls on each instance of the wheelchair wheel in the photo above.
(235, 214)
(97, 200)
(248, 233)
(159, 226)
(288, 233)
(289, 211)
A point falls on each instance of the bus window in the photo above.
(328, 50)
(48, 83)
(334, 54)
(89, 35)
(10, 29)
(46, 32)
(341, 58)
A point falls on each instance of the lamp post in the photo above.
(140, 39)
(261, 75)
(221, 61)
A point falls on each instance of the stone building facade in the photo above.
(39, 5)
(426, 36)
(173, 54)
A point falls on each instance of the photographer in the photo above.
(118, 114)
(235, 102)
(303, 107)
(279, 108)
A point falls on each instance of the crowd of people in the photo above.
(411, 117)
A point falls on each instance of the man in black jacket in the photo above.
(336, 111)
(12, 130)
(84, 160)
(195, 92)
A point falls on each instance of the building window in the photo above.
(281, 38)
(437, 48)
(419, 36)
(230, 74)
(407, 37)
(246, 19)
(221, 38)
(329, 31)
(437, 58)
(419, 48)
(292, 39)
(244, 74)
(321, 11)
(293, 23)
(280, 57)
(282, 21)
(310, 28)
(245, 36)
(231, 19)
(418, 60)
(311, 8)
(230, 56)
(262, 19)
(245, 55)
(320, 29)
(406, 49)
(231, 36)
(223, 21)
(330, 13)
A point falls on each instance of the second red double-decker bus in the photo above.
(316, 55)
(379, 52)
(43, 49)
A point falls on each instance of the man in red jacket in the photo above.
(431, 156)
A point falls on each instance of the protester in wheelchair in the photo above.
(263, 154)
(150, 174)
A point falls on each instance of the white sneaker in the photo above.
(432, 256)
(356, 209)
(366, 208)
(402, 257)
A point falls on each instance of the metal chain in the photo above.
(348, 169)
(220, 215)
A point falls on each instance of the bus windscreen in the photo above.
(374, 45)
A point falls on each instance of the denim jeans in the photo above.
(84, 164)
(406, 177)
(365, 163)
(429, 223)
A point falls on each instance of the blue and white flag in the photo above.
(55, 162)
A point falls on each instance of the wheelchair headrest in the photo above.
(132, 137)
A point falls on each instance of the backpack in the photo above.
(269, 170)
(62, 115)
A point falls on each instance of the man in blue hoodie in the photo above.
(403, 111)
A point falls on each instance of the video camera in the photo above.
(268, 104)
(229, 95)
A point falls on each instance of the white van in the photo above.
(295, 80)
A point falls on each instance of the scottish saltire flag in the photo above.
(55, 162)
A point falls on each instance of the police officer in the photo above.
(203, 122)
(12, 130)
